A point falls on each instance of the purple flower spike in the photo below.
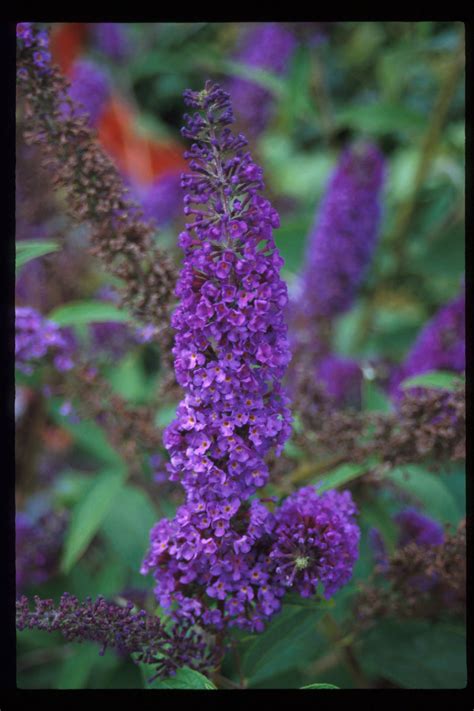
(342, 243)
(224, 561)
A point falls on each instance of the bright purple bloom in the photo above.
(316, 541)
(342, 243)
(222, 560)
(341, 379)
(90, 89)
(269, 47)
(441, 345)
(111, 39)
(36, 336)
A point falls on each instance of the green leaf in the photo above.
(127, 525)
(381, 118)
(429, 489)
(438, 379)
(88, 515)
(267, 80)
(185, 678)
(340, 476)
(75, 670)
(373, 398)
(376, 515)
(320, 686)
(287, 642)
(416, 654)
(89, 436)
(79, 312)
(26, 250)
(166, 415)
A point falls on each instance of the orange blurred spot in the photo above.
(140, 157)
(67, 42)
(56, 439)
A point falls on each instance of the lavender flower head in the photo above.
(111, 39)
(35, 336)
(90, 88)
(441, 345)
(342, 243)
(212, 563)
(341, 379)
(316, 541)
(27, 37)
(269, 47)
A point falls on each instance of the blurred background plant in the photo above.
(91, 478)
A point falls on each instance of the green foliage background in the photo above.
(402, 85)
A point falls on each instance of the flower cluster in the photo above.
(35, 336)
(342, 243)
(38, 42)
(90, 90)
(215, 559)
(269, 47)
(121, 628)
(38, 545)
(441, 345)
(316, 541)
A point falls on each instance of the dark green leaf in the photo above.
(88, 515)
(320, 686)
(429, 489)
(416, 654)
(340, 476)
(185, 679)
(284, 644)
(127, 525)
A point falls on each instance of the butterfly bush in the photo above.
(441, 345)
(268, 47)
(216, 561)
(36, 337)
